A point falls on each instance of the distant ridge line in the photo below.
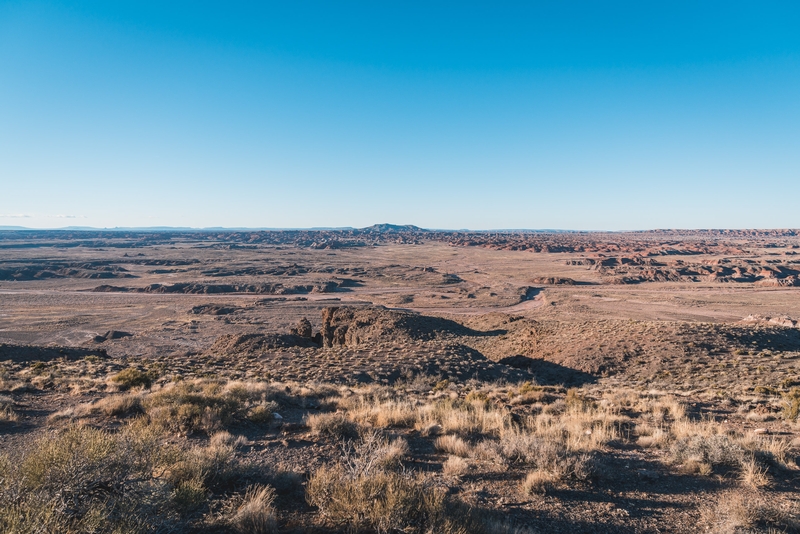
(386, 228)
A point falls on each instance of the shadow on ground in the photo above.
(549, 373)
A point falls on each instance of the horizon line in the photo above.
(395, 227)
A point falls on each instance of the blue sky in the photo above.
(571, 115)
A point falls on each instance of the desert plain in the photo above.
(393, 379)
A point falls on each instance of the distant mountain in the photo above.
(386, 228)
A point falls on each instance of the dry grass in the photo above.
(336, 425)
(371, 453)
(452, 444)
(748, 511)
(384, 414)
(208, 405)
(119, 405)
(256, 514)
(538, 482)
(753, 475)
(371, 485)
(455, 466)
(363, 491)
(649, 436)
(7, 413)
(87, 480)
(791, 404)
(132, 378)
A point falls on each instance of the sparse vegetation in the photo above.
(132, 378)
(540, 418)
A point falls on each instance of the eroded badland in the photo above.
(397, 380)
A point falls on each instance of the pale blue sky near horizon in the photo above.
(568, 115)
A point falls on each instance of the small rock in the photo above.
(761, 431)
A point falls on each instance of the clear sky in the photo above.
(571, 115)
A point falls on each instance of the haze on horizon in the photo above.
(570, 115)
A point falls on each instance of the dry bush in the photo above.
(85, 480)
(263, 412)
(747, 512)
(388, 502)
(753, 475)
(650, 436)
(69, 414)
(206, 406)
(538, 482)
(791, 404)
(464, 418)
(132, 378)
(487, 451)
(455, 466)
(715, 450)
(372, 453)
(7, 413)
(665, 409)
(545, 453)
(227, 439)
(525, 447)
(383, 414)
(336, 425)
(212, 466)
(256, 514)
(582, 427)
(769, 451)
(452, 444)
(119, 405)
(363, 491)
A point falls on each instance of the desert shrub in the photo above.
(538, 482)
(212, 466)
(384, 414)
(752, 474)
(263, 412)
(441, 385)
(453, 444)
(188, 407)
(119, 405)
(208, 405)
(7, 413)
(769, 451)
(332, 424)
(371, 453)
(256, 514)
(365, 491)
(576, 400)
(765, 390)
(455, 466)
(714, 450)
(388, 502)
(132, 378)
(84, 480)
(546, 454)
(464, 418)
(791, 404)
(747, 511)
(650, 436)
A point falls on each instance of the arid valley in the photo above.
(392, 379)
